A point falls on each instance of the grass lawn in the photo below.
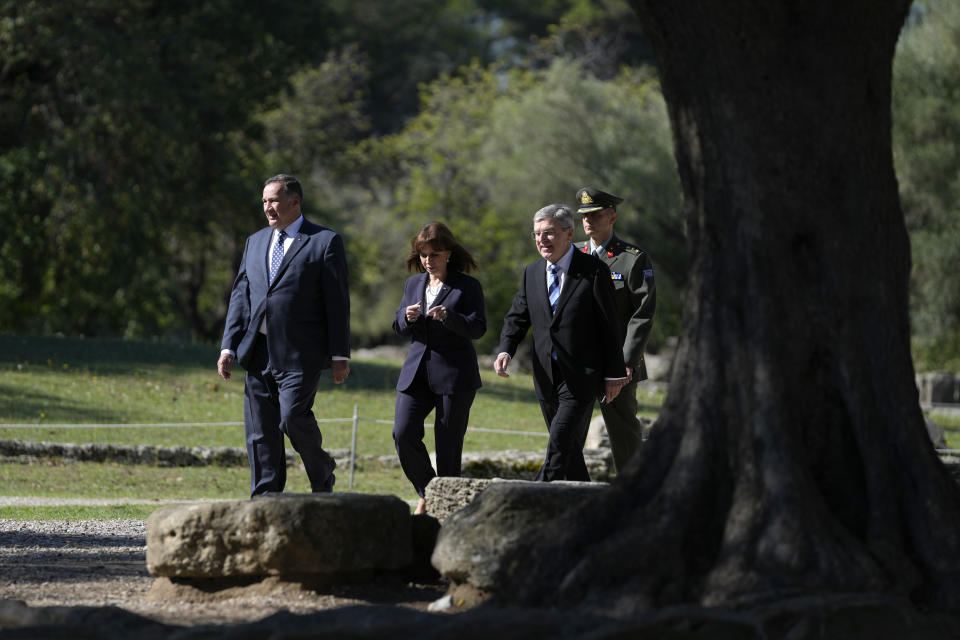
(48, 385)
(951, 427)
(75, 512)
(46, 382)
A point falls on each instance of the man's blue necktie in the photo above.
(553, 287)
(277, 256)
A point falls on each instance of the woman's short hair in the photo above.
(439, 236)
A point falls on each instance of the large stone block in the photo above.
(286, 534)
(471, 543)
(938, 387)
(446, 495)
(524, 465)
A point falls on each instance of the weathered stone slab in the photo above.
(138, 454)
(470, 546)
(936, 433)
(446, 496)
(938, 387)
(278, 535)
(598, 438)
(523, 465)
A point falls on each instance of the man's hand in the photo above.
(340, 370)
(629, 375)
(224, 365)
(612, 388)
(500, 365)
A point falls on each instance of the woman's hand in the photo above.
(413, 312)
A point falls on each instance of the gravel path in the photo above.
(103, 562)
(19, 501)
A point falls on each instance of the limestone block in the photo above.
(446, 495)
(936, 433)
(472, 541)
(282, 534)
(519, 465)
(523, 465)
(938, 387)
(597, 436)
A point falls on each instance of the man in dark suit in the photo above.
(288, 319)
(567, 298)
(635, 292)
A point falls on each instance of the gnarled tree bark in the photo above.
(790, 456)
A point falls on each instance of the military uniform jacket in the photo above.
(636, 296)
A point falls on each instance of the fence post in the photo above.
(353, 445)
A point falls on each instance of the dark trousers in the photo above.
(278, 403)
(623, 426)
(449, 427)
(567, 421)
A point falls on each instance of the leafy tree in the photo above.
(405, 44)
(926, 109)
(602, 35)
(423, 173)
(318, 116)
(486, 151)
(134, 136)
(122, 165)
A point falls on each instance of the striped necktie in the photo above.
(553, 287)
(277, 256)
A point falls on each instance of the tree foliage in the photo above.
(926, 110)
(485, 152)
(121, 170)
(134, 137)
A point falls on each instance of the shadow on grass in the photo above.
(102, 355)
(378, 376)
(106, 356)
(27, 406)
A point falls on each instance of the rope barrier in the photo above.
(144, 425)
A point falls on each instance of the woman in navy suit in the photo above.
(442, 312)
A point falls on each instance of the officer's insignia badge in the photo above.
(609, 254)
(616, 276)
(585, 198)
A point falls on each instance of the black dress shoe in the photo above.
(327, 486)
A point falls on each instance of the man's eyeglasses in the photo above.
(549, 234)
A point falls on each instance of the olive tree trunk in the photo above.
(790, 456)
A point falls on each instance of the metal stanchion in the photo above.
(353, 445)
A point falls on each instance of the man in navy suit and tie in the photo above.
(567, 297)
(288, 320)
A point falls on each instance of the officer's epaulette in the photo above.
(625, 246)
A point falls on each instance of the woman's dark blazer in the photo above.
(445, 348)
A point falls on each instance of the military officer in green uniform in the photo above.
(635, 293)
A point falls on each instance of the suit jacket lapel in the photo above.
(573, 279)
(445, 288)
(421, 288)
(260, 246)
(538, 297)
(299, 242)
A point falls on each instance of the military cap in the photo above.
(594, 200)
